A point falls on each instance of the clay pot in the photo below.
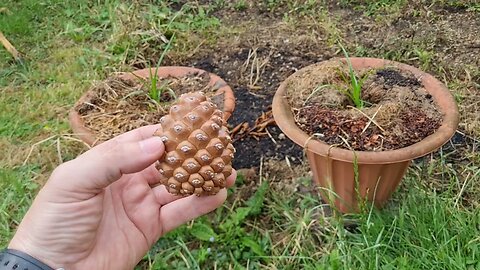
(379, 173)
(88, 137)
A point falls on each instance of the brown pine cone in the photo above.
(198, 150)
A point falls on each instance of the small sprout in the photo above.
(354, 91)
(155, 92)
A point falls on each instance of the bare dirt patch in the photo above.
(253, 102)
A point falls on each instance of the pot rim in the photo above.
(85, 134)
(284, 118)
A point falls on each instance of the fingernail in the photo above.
(152, 145)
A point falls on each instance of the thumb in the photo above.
(102, 165)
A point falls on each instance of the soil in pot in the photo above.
(120, 104)
(397, 110)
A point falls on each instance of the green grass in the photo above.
(432, 222)
(419, 230)
(425, 231)
(16, 191)
(375, 7)
(469, 5)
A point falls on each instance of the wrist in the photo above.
(15, 259)
(21, 248)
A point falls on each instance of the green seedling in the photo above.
(155, 92)
(354, 90)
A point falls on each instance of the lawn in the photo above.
(273, 218)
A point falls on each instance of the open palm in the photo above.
(99, 211)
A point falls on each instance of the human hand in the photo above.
(99, 210)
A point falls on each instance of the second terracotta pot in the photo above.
(222, 87)
(379, 173)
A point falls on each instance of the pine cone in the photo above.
(198, 150)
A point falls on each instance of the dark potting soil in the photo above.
(392, 77)
(252, 103)
(251, 149)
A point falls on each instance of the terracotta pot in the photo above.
(379, 172)
(88, 137)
